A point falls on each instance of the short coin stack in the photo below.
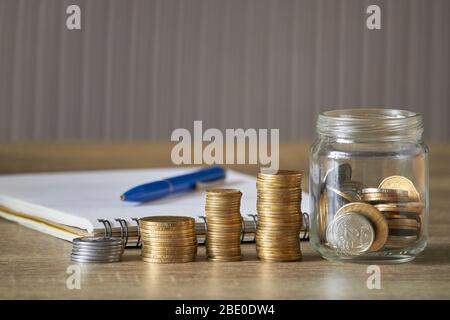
(97, 249)
(168, 239)
(223, 237)
(279, 216)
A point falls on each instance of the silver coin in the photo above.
(97, 241)
(100, 257)
(96, 254)
(337, 175)
(352, 186)
(102, 248)
(93, 256)
(384, 191)
(351, 233)
(99, 248)
(84, 260)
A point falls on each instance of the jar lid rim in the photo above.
(370, 123)
(368, 113)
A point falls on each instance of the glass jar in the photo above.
(369, 185)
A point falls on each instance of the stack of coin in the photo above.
(168, 239)
(279, 216)
(223, 237)
(97, 249)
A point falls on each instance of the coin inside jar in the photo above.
(377, 219)
(348, 195)
(338, 174)
(400, 183)
(377, 195)
(351, 233)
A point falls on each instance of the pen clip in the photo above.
(210, 184)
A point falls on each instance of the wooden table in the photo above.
(34, 265)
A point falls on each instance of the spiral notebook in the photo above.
(73, 204)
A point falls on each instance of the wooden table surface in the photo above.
(34, 265)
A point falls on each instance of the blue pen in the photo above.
(162, 188)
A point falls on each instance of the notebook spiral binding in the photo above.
(248, 228)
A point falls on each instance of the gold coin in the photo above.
(167, 221)
(274, 214)
(278, 206)
(223, 214)
(323, 216)
(164, 242)
(155, 244)
(271, 242)
(225, 259)
(376, 218)
(170, 235)
(170, 250)
(280, 259)
(223, 201)
(277, 243)
(384, 195)
(402, 223)
(222, 191)
(168, 260)
(278, 224)
(393, 215)
(276, 252)
(275, 232)
(278, 217)
(223, 247)
(224, 228)
(281, 174)
(277, 187)
(409, 207)
(401, 183)
(288, 217)
(219, 224)
(223, 253)
(215, 240)
(293, 249)
(165, 255)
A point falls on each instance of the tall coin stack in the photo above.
(97, 249)
(223, 237)
(168, 239)
(279, 216)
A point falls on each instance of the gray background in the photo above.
(139, 69)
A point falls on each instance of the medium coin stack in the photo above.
(168, 239)
(97, 249)
(223, 237)
(393, 211)
(279, 216)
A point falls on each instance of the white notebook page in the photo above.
(79, 199)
